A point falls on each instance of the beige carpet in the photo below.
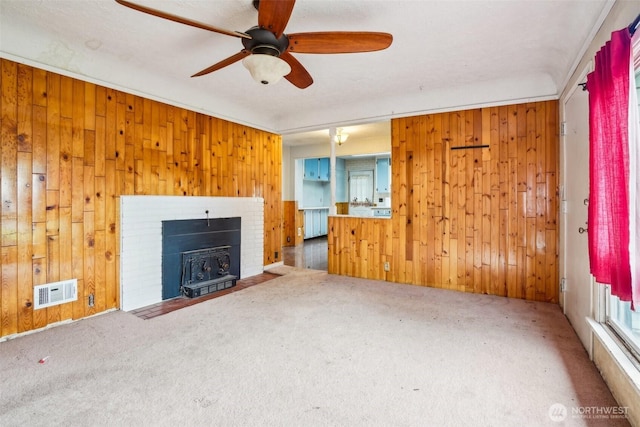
(308, 349)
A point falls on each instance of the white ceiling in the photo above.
(445, 55)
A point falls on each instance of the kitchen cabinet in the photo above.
(324, 222)
(311, 169)
(316, 222)
(360, 211)
(317, 169)
(324, 167)
(383, 212)
(383, 175)
(308, 224)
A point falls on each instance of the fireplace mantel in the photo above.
(141, 238)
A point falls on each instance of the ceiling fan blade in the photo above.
(230, 60)
(298, 76)
(338, 42)
(175, 18)
(274, 15)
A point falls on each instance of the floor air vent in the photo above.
(55, 293)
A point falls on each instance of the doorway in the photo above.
(313, 254)
(577, 279)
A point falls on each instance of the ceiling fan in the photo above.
(267, 50)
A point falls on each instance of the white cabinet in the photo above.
(308, 224)
(384, 212)
(316, 222)
(360, 211)
(324, 222)
(383, 175)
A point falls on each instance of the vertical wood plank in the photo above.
(111, 217)
(78, 113)
(89, 269)
(25, 109)
(24, 252)
(39, 139)
(77, 248)
(9, 300)
(53, 132)
(8, 154)
(65, 254)
(66, 162)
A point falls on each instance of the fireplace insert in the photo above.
(199, 256)
(206, 270)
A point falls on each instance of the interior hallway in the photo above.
(311, 254)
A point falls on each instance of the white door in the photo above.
(577, 297)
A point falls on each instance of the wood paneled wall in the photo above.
(482, 220)
(69, 149)
(292, 221)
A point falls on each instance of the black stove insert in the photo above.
(206, 270)
(199, 256)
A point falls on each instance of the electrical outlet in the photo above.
(386, 266)
(299, 231)
(91, 300)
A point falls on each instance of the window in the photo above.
(361, 186)
(624, 321)
(618, 314)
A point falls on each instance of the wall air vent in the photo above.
(55, 293)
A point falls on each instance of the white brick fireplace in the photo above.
(141, 238)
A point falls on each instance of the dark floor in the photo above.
(312, 254)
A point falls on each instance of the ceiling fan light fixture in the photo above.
(266, 69)
(266, 42)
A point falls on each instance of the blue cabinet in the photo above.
(383, 175)
(324, 168)
(311, 169)
(317, 169)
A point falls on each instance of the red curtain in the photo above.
(608, 214)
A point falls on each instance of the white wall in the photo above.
(315, 194)
(351, 147)
(141, 239)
